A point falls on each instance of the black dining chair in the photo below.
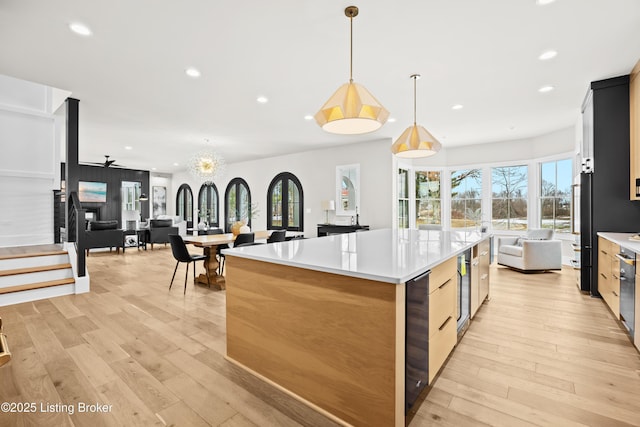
(181, 254)
(277, 236)
(242, 239)
(219, 248)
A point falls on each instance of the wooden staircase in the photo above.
(34, 272)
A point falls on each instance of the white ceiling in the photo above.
(129, 76)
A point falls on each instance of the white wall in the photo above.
(316, 171)
(29, 164)
(550, 144)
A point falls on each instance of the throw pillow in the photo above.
(519, 241)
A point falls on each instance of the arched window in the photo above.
(184, 204)
(237, 202)
(208, 204)
(285, 202)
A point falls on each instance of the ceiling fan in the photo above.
(106, 162)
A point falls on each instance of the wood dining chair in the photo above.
(181, 254)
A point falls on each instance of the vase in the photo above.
(245, 229)
(235, 227)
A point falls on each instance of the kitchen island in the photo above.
(340, 322)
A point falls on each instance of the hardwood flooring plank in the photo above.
(151, 391)
(96, 370)
(180, 414)
(210, 407)
(152, 361)
(104, 343)
(127, 407)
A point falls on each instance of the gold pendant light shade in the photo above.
(415, 141)
(351, 110)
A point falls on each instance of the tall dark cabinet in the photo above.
(604, 181)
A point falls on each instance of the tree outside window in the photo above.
(403, 198)
(466, 198)
(555, 195)
(428, 199)
(509, 187)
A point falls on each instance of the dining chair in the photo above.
(277, 236)
(219, 248)
(241, 239)
(181, 254)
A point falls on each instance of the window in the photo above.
(403, 198)
(208, 204)
(285, 203)
(466, 198)
(237, 200)
(184, 204)
(428, 198)
(509, 197)
(555, 195)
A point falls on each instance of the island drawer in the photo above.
(442, 304)
(442, 273)
(440, 345)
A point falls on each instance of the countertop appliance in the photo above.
(627, 288)
(604, 181)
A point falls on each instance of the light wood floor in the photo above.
(538, 353)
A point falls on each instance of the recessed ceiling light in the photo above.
(544, 2)
(391, 120)
(192, 72)
(308, 117)
(547, 55)
(176, 164)
(545, 89)
(457, 107)
(128, 147)
(262, 99)
(79, 28)
(153, 169)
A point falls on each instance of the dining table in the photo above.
(210, 243)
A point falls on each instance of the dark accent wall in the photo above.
(113, 177)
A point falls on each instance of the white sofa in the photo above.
(536, 251)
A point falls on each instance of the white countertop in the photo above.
(386, 255)
(622, 239)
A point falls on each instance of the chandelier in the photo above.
(206, 165)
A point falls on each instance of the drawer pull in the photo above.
(476, 262)
(484, 253)
(445, 323)
(443, 285)
(614, 293)
(602, 274)
(484, 276)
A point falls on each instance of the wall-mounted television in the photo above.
(92, 192)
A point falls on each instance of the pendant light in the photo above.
(415, 141)
(352, 109)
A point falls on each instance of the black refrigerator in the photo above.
(604, 181)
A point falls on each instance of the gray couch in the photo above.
(159, 230)
(103, 234)
(536, 251)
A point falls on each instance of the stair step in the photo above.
(38, 285)
(32, 254)
(35, 269)
(26, 262)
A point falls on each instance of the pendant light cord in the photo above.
(414, 99)
(351, 50)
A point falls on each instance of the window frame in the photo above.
(204, 191)
(285, 177)
(236, 183)
(416, 172)
(187, 213)
(541, 197)
(526, 198)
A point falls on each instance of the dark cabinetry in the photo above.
(604, 183)
(326, 229)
